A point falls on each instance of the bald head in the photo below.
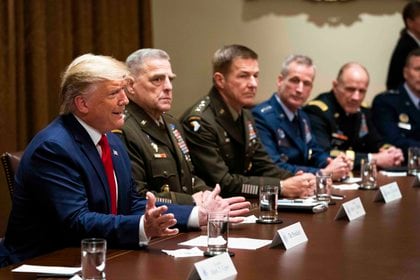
(350, 87)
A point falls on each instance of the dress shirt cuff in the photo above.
(143, 239)
(193, 221)
(281, 188)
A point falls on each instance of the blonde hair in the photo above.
(84, 72)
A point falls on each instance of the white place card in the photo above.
(389, 192)
(219, 267)
(352, 209)
(290, 236)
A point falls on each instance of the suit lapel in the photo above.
(410, 108)
(90, 151)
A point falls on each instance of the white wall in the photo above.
(332, 34)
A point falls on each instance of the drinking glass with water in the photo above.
(93, 255)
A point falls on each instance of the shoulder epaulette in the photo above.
(194, 117)
(320, 104)
(365, 105)
(266, 108)
(117, 131)
(393, 91)
(200, 106)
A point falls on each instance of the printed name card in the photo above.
(389, 192)
(290, 236)
(353, 209)
(219, 267)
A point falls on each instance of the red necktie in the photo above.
(109, 169)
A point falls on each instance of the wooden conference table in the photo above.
(383, 244)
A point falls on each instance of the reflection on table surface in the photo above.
(383, 244)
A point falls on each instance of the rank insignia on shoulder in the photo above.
(202, 105)
(320, 104)
(266, 108)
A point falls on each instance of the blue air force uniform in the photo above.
(289, 143)
(397, 117)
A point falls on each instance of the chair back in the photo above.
(10, 163)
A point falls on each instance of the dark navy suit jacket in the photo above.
(397, 118)
(404, 46)
(282, 141)
(62, 195)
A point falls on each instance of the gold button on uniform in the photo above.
(165, 188)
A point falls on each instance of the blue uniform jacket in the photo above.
(62, 195)
(397, 118)
(281, 140)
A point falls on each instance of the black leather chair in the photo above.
(10, 163)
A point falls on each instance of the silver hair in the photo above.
(296, 58)
(136, 60)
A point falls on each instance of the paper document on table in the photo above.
(42, 269)
(351, 180)
(353, 186)
(249, 220)
(182, 253)
(393, 173)
(233, 242)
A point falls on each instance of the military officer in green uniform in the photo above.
(154, 139)
(341, 124)
(221, 133)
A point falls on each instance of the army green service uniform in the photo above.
(228, 152)
(160, 158)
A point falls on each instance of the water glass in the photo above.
(268, 204)
(93, 252)
(413, 162)
(323, 186)
(368, 174)
(217, 232)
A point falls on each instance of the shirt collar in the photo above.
(235, 115)
(290, 115)
(93, 133)
(412, 96)
(414, 37)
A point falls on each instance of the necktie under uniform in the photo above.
(296, 125)
(109, 169)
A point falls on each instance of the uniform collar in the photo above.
(415, 99)
(290, 115)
